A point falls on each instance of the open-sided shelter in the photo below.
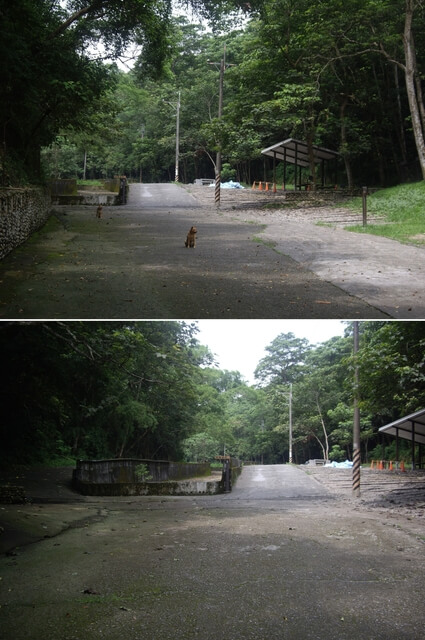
(411, 427)
(297, 152)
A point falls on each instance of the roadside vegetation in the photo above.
(402, 211)
(150, 390)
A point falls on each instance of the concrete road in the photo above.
(133, 264)
(296, 567)
(276, 482)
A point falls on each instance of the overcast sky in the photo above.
(239, 345)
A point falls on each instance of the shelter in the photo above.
(411, 427)
(296, 152)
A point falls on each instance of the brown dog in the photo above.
(191, 238)
(99, 211)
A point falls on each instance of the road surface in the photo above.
(276, 482)
(296, 567)
(132, 263)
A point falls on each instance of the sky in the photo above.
(239, 345)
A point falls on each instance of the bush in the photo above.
(142, 473)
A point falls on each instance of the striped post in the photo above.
(356, 473)
(356, 420)
(217, 188)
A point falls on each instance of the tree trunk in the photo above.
(413, 85)
(344, 144)
(324, 430)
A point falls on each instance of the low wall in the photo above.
(22, 211)
(166, 488)
(87, 198)
(93, 477)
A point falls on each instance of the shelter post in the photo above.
(396, 446)
(413, 446)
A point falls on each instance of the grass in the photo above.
(96, 183)
(402, 209)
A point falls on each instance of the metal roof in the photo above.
(296, 152)
(404, 427)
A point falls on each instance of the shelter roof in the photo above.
(296, 152)
(405, 426)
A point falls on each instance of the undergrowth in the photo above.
(402, 210)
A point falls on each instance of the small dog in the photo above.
(191, 238)
(99, 211)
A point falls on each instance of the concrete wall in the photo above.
(169, 488)
(123, 471)
(22, 211)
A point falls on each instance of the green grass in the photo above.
(403, 213)
(95, 183)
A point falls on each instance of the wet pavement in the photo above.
(132, 263)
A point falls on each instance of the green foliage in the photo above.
(401, 209)
(97, 389)
(322, 72)
(142, 473)
(147, 389)
(201, 447)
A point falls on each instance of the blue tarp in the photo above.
(230, 185)
(340, 465)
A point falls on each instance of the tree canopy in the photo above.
(151, 390)
(344, 77)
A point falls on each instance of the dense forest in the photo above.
(345, 76)
(151, 390)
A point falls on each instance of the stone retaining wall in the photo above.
(22, 211)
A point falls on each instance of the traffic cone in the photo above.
(402, 466)
(391, 465)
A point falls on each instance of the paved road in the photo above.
(276, 482)
(209, 567)
(133, 264)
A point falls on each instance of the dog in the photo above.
(99, 211)
(191, 238)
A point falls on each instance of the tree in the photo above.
(285, 361)
(392, 369)
(51, 80)
(97, 389)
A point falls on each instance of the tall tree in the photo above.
(285, 360)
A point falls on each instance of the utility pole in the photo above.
(222, 66)
(176, 179)
(356, 420)
(176, 106)
(290, 423)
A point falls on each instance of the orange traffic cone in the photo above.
(402, 466)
